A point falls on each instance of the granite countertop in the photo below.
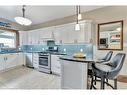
(71, 58)
(8, 52)
(54, 53)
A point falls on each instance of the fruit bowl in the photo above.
(79, 55)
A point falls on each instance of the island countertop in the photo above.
(71, 58)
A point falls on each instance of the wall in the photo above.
(105, 14)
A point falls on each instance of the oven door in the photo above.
(44, 61)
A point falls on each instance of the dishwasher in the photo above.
(29, 60)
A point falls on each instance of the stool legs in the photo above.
(95, 80)
(91, 85)
(115, 83)
(102, 82)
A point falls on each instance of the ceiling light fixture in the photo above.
(77, 26)
(23, 20)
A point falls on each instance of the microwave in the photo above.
(103, 41)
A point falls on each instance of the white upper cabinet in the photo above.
(33, 37)
(23, 37)
(62, 34)
(40, 36)
(46, 34)
(67, 34)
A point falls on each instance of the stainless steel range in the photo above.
(44, 62)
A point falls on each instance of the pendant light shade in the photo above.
(77, 27)
(79, 16)
(23, 20)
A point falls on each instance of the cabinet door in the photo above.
(87, 32)
(57, 35)
(21, 59)
(55, 64)
(2, 62)
(30, 37)
(61, 34)
(44, 35)
(11, 60)
(23, 38)
(73, 35)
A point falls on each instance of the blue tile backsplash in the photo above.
(69, 49)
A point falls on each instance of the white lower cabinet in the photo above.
(35, 60)
(10, 60)
(55, 64)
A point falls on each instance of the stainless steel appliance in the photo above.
(44, 62)
(103, 43)
(29, 60)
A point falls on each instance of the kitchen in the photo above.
(42, 49)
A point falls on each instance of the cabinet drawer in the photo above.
(35, 54)
(35, 60)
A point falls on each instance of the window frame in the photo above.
(17, 37)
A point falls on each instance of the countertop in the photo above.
(54, 53)
(71, 58)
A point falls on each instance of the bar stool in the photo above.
(110, 70)
(104, 59)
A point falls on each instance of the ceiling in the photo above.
(41, 14)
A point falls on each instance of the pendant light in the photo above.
(22, 20)
(77, 26)
(79, 14)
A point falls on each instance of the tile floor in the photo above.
(26, 78)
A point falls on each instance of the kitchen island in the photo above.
(74, 72)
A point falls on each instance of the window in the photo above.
(8, 38)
